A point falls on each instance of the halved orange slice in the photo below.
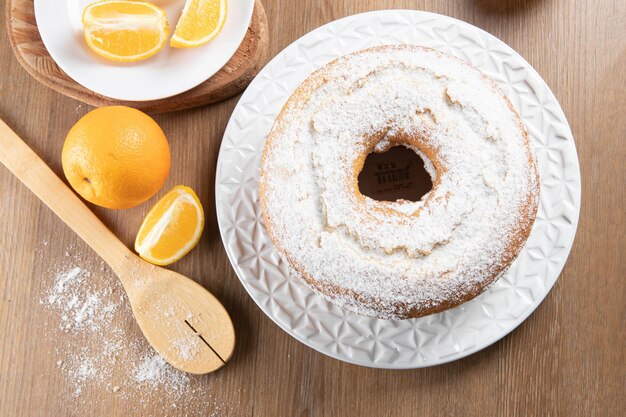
(125, 30)
(200, 22)
(172, 227)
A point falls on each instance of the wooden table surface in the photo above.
(567, 359)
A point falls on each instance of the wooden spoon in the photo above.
(182, 321)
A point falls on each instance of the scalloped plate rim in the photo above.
(463, 353)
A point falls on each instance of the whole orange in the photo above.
(116, 157)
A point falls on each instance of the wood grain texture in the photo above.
(229, 81)
(567, 359)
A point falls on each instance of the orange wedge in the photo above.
(172, 227)
(124, 30)
(200, 22)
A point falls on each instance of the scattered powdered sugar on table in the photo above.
(154, 371)
(80, 307)
(99, 347)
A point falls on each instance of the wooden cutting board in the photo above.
(227, 82)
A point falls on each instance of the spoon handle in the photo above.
(41, 180)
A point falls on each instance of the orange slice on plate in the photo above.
(124, 30)
(172, 227)
(200, 22)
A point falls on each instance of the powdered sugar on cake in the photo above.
(413, 254)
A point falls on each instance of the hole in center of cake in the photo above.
(395, 174)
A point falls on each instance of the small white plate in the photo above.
(429, 340)
(170, 72)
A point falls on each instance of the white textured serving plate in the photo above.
(170, 72)
(430, 340)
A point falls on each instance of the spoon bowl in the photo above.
(184, 322)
